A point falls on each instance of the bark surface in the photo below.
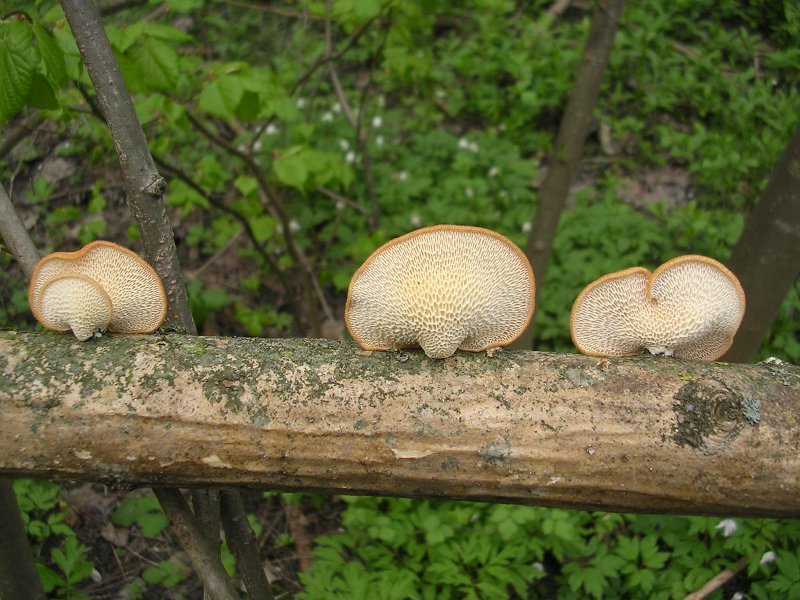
(648, 434)
(767, 256)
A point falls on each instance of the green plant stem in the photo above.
(201, 550)
(242, 544)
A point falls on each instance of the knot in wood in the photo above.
(708, 415)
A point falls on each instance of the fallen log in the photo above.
(642, 434)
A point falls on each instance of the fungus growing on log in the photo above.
(441, 288)
(690, 307)
(101, 286)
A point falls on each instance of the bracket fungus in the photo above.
(441, 288)
(689, 307)
(101, 286)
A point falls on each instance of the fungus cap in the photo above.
(442, 288)
(74, 302)
(139, 303)
(690, 307)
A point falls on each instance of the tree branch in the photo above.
(566, 155)
(647, 434)
(202, 551)
(766, 259)
(18, 576)
(15, 236)
(242, 544)
(143, 183)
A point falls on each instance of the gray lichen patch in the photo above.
(497, 452)
(585, 377)
(709, 415)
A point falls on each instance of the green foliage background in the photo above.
(446, 114)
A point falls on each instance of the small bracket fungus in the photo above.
(101, 286)
(441, 288)
(690, 307)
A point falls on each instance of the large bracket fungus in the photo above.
(441, 288)
(101, 286)
(690, 307)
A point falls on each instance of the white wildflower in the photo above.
(728, 527)
(350, 157)
(469, 192)
(415, 220)
(327, 117)
(271, 129)
(344, 145)
(340, 205)
(463, 143)
(402, 176)
(473, 147)
(377, 121)
(301, 103)
(257, 146)
(494, 171)
(294, 226)
(767, 557)
(526, 227)
(379, 141)
(538, 566)
(337, 108)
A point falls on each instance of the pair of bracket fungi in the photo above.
(441, 288)
(102, 286)
(452, 287)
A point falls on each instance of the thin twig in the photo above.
(15, 236)
(214, 258)
(276, 211)
(557, 9)
(240, 538)
(201, 550)
(283, 12)
(351, 41)
(337, 85)
(343, 199)
(220, 205)
(720, 579)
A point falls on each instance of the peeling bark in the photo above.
(642, 434)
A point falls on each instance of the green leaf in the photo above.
(71, 559)
(52, 57)
(246, 185)
(157, 62)
(143, 511)
(184, 6)
(263, 228)
(49, 578)
(42, 94)
(124, 38)
(221, 97)
(18, 60)
(291, 170)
